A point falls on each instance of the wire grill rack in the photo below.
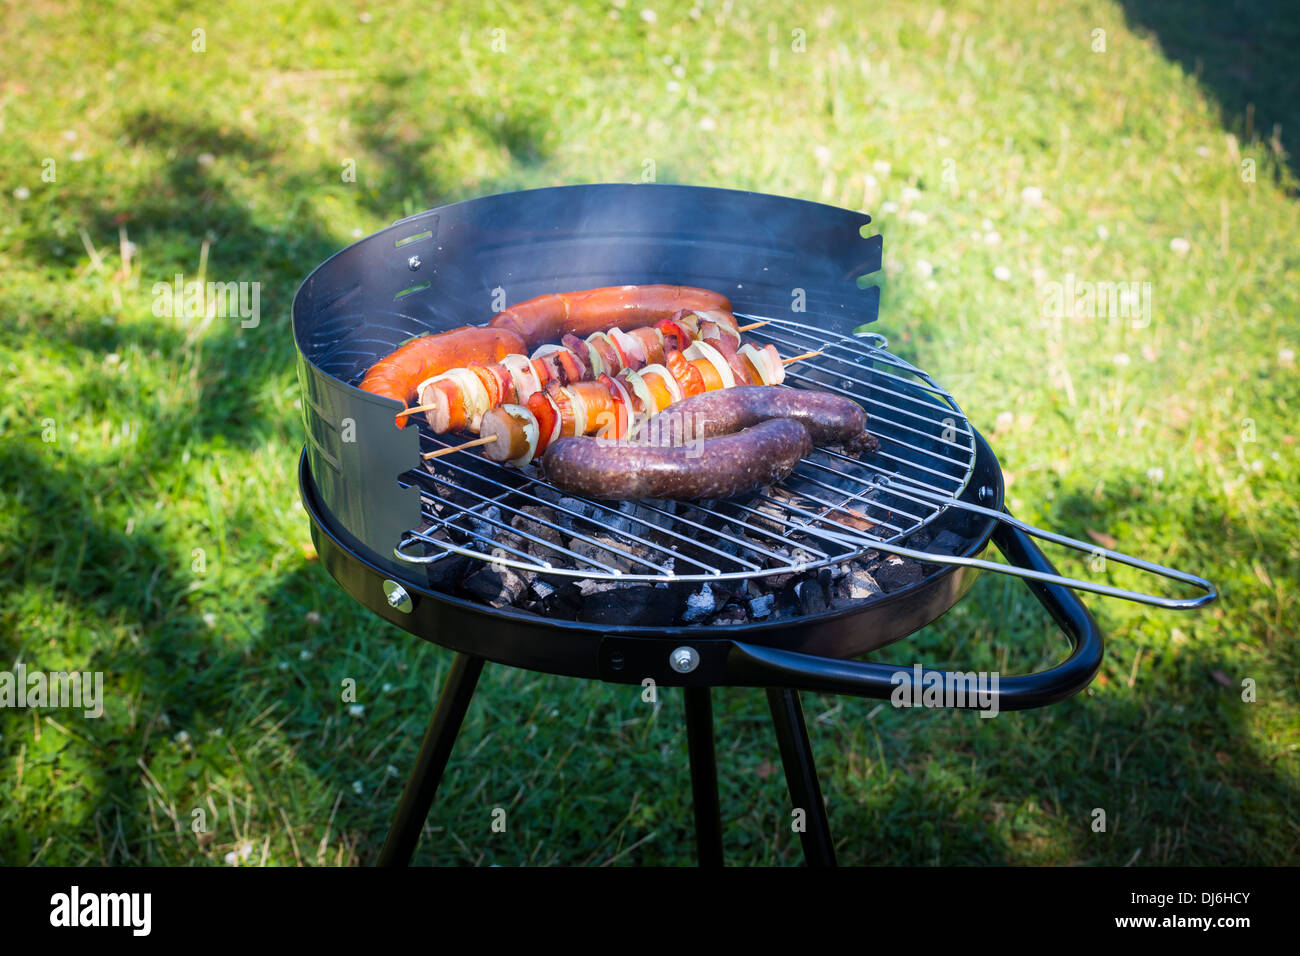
(830, 509)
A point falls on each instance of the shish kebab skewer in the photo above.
(519, 436)
(642, 372)
(456, 399)
(616, 336)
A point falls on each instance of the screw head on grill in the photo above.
(397, 597)
(684, 660)
(414, 262)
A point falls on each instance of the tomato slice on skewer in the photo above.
(490, 383)
(548, 419)
(686, 374)
(675, 337)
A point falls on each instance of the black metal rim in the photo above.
(924, 601)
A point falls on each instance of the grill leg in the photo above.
(704, 776)
(421, 786)
(801, 775)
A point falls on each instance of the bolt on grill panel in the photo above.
(830, 509)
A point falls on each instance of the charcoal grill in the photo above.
(387, 527)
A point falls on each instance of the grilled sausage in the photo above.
(397, 376)
(717, 467)
(548, 318)
(829, 419)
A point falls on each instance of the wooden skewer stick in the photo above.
(800, 358)
(416, 410)
(753, 325)
(469, 444)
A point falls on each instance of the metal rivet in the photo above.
(397, 597)
(616, 660)
(414, 262)
(985, 493)
(684, 660)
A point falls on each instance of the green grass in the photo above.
(223, 665)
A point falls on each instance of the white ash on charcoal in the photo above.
(486, 523)
(762, 606)
(590, 586)
(650, 513)
(700, 605)
(855, 587)
(615, 521)
(607, 552)
(496, 585)
(539, 521)
(567, 513)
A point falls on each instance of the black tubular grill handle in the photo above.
(752, 665)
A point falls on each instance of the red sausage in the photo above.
(396, 376)
(548, 318)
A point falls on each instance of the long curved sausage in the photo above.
(548, 318)
(396, 376)
(712, 468)
(829, 419)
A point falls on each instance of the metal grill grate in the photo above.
(830, 509)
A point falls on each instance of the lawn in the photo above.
(149, 521)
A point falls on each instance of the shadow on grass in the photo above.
(1244, 55)
(69, 520)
